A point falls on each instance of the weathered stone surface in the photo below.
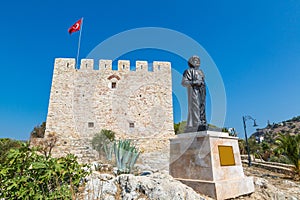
(130, 187)
(196, 161)
(265, 190)
(84, 101)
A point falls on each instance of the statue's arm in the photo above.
(187, 79)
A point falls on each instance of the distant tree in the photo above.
(179, 127)
(242, 146)
(289, 145)
(38, 131)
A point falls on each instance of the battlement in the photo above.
(66, 64)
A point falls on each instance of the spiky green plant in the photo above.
(126, 155)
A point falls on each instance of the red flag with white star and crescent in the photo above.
(75, 27)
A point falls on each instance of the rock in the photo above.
(155, 186)
(130, 187)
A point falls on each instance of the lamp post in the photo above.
(245, 118)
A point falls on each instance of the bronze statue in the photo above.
(193, 80)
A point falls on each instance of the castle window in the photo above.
(91, 124)
(67, 65)
(158, 67)
(105, 66)
(123, 66)
(141, 66)
(113, 85)
(131, 125)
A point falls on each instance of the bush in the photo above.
(103, 142)
(25, 174)
(6, 144)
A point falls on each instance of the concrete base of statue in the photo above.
(210, 163)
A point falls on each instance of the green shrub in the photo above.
(5, 145)
(289, 145)
(25, 174)
(103, 142)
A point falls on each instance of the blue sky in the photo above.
(254, 44)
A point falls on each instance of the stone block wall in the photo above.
(135, 104)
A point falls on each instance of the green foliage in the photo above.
(179, 127)
(6, 144)
(39, 131)
(126, 155)
(225, 130)
(242, 147)
(289, 145)
(103, 142)
(25, 174)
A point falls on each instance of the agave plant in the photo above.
(126, 155)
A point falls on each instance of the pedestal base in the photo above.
(221, 189)
(210, 163)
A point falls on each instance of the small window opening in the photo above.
(105, 66)
(68, 65)
(65, 142)
(131, 125)
(141, 66)
(158, 67)
(113, 85)
(123, 66)
(86, 65)
(140, 95)
(91, 124)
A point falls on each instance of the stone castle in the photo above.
(136, 105)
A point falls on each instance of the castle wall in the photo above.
(135, 104)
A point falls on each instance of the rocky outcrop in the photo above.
(129, 187)
(265, 190)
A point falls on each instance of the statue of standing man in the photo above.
(193, 80)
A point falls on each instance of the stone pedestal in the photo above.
(210, 163)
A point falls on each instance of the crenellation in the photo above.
(159, 66)
(141, 66)
(105, 65)
(123, 65)
(64, 64)
(68, 64)
(87, 64)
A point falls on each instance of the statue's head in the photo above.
(194, 62)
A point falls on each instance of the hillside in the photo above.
(269, 133)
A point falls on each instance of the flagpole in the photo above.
(79, 40)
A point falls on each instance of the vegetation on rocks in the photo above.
(27, 174)
(124, 151)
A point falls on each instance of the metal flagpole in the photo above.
(79, 40)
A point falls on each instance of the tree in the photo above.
(38, 131)
(289, 145)
(179, 127)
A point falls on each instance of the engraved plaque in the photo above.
(226, 155)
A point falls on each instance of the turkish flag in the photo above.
(75, 27)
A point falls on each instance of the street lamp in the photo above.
(245, 118)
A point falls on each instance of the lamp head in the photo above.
(254, 124)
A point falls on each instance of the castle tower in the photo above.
(135, 104)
